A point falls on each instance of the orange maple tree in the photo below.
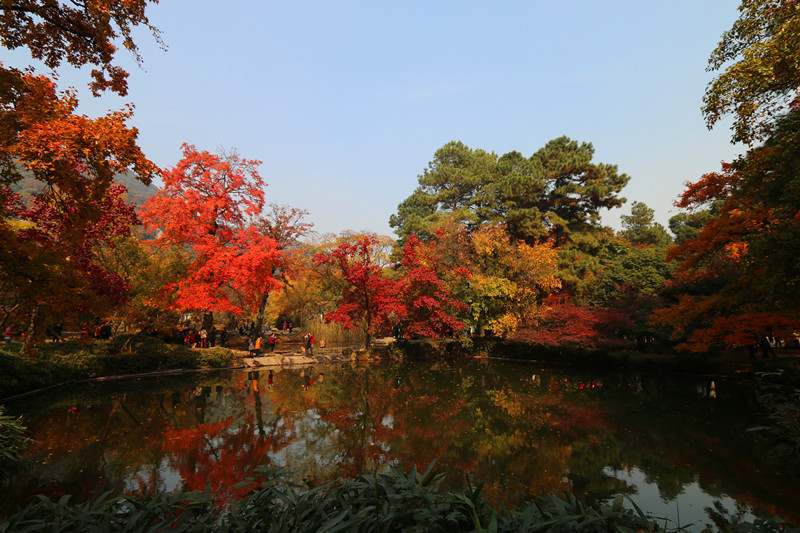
(49, 259)
(78, 32)
(740, 278)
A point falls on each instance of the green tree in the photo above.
(687, 225)
(555, 194)
(640, 227)
(577, 189)
(458, 181)
(414, 215)
(521, 187)
(637, 269)
(582, 261)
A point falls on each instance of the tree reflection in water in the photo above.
(520, 430)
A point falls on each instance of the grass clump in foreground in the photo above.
(13, 443)
(57, 363)
(369, 502)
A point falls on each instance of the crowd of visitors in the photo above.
(203, 338)
(255, 340)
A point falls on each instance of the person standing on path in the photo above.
(223, 336)
(766, 347)
(272, 340)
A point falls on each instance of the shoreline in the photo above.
(730, 366)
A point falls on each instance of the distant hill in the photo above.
(138, 192)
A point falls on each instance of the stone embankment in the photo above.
(289, 352)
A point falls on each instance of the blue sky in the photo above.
(346, 102)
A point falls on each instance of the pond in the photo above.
(678, 446)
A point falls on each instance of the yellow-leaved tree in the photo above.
(507, 279)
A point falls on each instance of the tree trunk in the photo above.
(8, 314)
(263, 307)
(261, 310)
(29, 343)
(559, 236)
(368, 337)
(208, 321)
(127, 346)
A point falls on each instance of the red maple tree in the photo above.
(285, 225)
(48, 261)
(430, 310)
(368, 297)
(570, 325)
(207, 205)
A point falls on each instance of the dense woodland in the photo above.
(487, 244)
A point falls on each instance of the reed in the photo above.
(333, 333)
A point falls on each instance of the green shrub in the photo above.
(90, 358)
(370, 502)
(215, 358)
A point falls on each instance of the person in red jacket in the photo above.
(9, 334)
(272, 340)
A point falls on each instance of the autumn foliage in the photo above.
(367, 296)
(418, 300)
(79, 32)
(49, 261)
(739, 278)
(49, 255)
(571, 326)
(429, 309)
(208, 204)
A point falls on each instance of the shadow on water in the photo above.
(675, 445)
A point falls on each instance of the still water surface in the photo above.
(677, 446)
